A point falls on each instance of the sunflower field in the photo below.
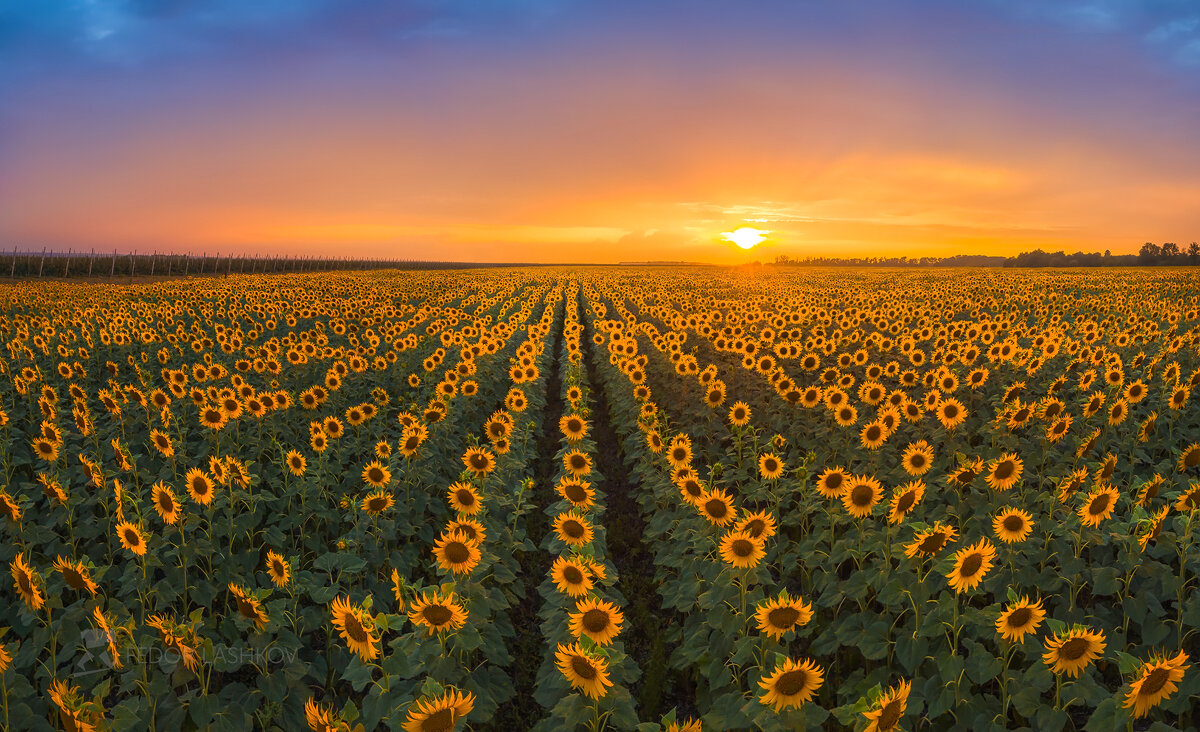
(602, 499)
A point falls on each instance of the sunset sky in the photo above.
(552, 130)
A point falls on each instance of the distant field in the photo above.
(610, 498)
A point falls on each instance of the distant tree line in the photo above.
(1168, 254)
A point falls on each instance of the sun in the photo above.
(745, 237)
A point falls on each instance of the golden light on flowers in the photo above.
(76, 575)
(1100, 504)
(745, 237)
(1019, 619)
(27, 582)
(917, 458)
(356, 628)
(437, 613)
(439, 714)
(577, 463)
(278, 569)
(296, 463)
(889, 710)
(741, 550)
(199, 486)
(456, 552)
(464, 499)
(571, 577)
(572, 529)
(376, 475)
(833, 482)
(861, 496)
(578, 493)
(783, 614)
(791, 684)
(582, 670)
(971, 565)
(165, 503)
(599, 620)
(479, 461)
(573, 427)
(1156, 680)
(717, 507)
(1070, 653)
(929, 542)
(1004, 472)
(904, 499)
(248, 606)
(132, 538)
(375, 503)
(1012, 525)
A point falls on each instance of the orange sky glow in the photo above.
(572, 152)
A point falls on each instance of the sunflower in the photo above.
(891, 706)
(1004, 472)
(741, 550)
(296, 463)
(845, 415)
(759, 525)
(860, 497)
(691, 489)
(917, 458)
(970, 565)
(28, 582)
(376, 475)
(377, 502)
(1070, 652)
(873, 435)
(572, 530)
(278, 568)
(356, 627)
(76, 575)
(214, 418)
(479, 461)
(583, 671)
(165, 504)
(578, 493)
(132, 538)
(9, 507)
(904, 499)
(1146, 430)
(1100, 504)
(684, 724)
(457, 553)
(1156, 680)
(437, 612)
(440, 713)
(249, 607)
(599, 620)
(474, 530)
(680, 451)
(770, 467)
(571, 577)
(966, 473)
(930, 541)
(463, 499)
(1189, 500)
(162, 442)
(573, 427)
(791, 684)
(1152, 530)
(951, 413)
(45, 449)
(200, 486)
(320, 719)
(1190, 457)
(739, 414)
(1019, 619)
(717, 507)
(782, 614)
(577, 463)
(833, 482)
(1012, 525)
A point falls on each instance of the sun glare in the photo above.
(745, 237)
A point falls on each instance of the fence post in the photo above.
(153, 259)
(132, 265)
(112, 272)
(185, 264)
(42, 263)
(13, 273)
(91, 260)
(67, 265)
